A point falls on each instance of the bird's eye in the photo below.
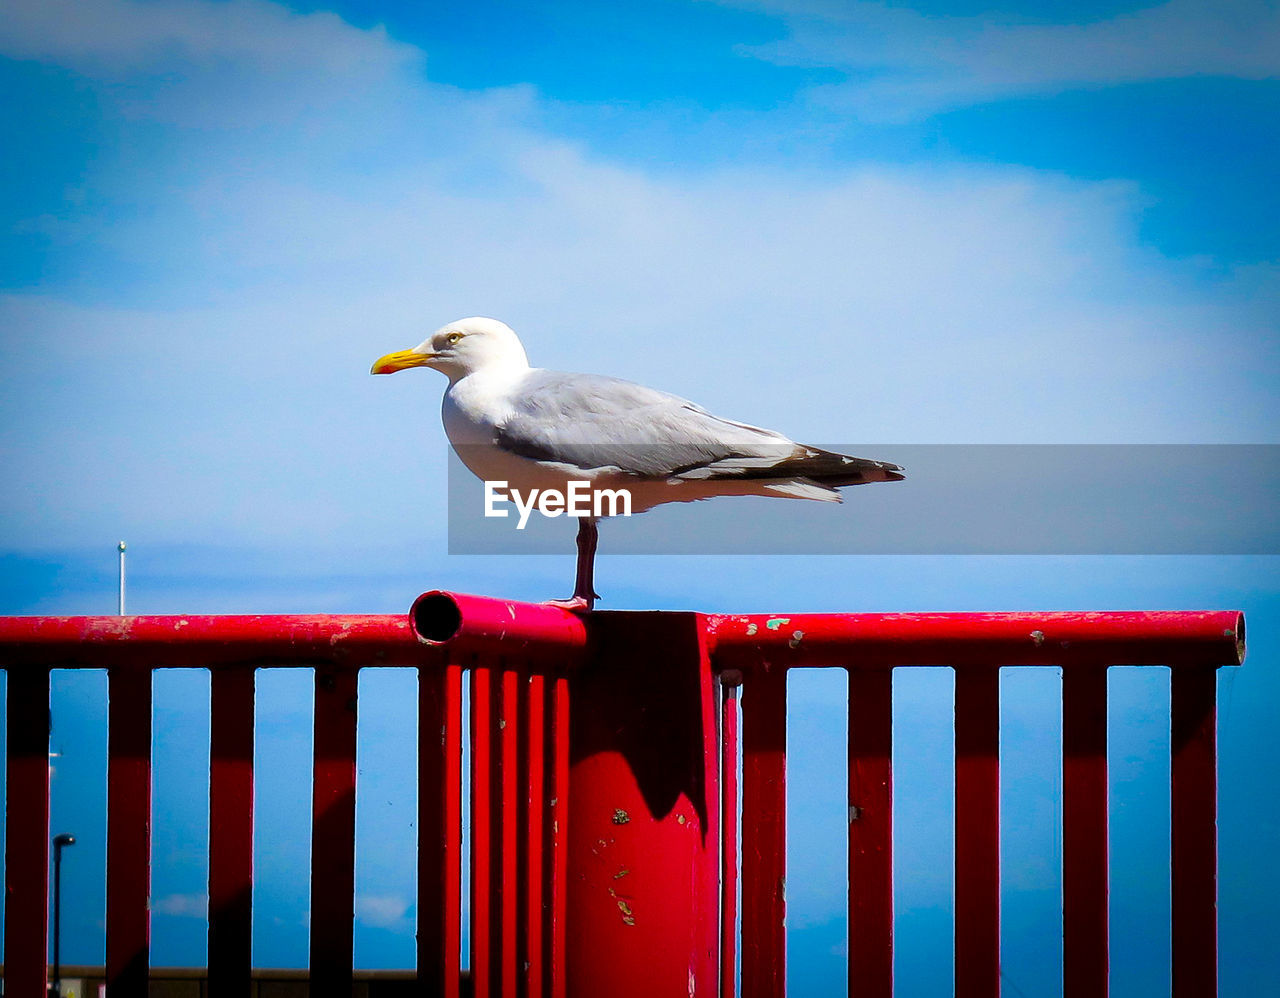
(454, 338)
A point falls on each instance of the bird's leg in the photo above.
(584, 593)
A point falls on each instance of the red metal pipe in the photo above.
(440, 829)
(557, 836)
(481, 625)
(1084, 833)
(205, 641)
(871, 833)
(483, 724)
(26, 855)
(333, 831)
(764, 834)
(977, 820)
(1193, 853)
(874, 640)
(729, 835)
(231, 832)
(128, 831)
(507, 839)
(532, 763)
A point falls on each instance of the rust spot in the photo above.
(1038, 638)
(620, 817)
(796, 638)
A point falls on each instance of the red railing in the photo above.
(604, 843)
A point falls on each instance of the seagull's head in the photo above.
(461, 348)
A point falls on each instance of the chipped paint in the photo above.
(680, 819)
(796, 638)
(1037, 637)
(855, 813)
(620, 817)
(751, 629)
(775, 622)
(621, 873)
(624, 907)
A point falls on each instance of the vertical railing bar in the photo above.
(231, 708)
(482, 826)
(507, 896)
(870, 832)
(532, 766)
(1193, 830)
(556, 837)
(729, 837)
(128, 830)
(26, 845)
(1084, 832)
(977, 833)
(439, 827)
(333, 830)
(764, 833)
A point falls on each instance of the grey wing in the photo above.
(591, 422)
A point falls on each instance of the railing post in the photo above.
(643, 858)
(26, 857)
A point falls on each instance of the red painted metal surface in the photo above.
(479, 624)
(208, 641)
(977, 900)
(506, 895)
(1194, 845)
(483, 721)
(624, 899)
(1084, 833)
(440, 828)
(530, 882)
(333, 830)
(870, 832)
(644, 855)
(231, 831)
(729, 836)
(26, 844)
(990, 639)
(128, 831)
(764, 833)
(555, 979)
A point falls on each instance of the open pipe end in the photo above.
(1240, 645)
(435, 617)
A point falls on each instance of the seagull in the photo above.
(539, 429)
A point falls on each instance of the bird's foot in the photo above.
(574, 604)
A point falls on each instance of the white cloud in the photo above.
(123, 36)
(904, 63)
(383, 911)
(182, 905)
(211, 385)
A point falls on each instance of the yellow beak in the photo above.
(399, 360)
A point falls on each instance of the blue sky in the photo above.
(905, 222)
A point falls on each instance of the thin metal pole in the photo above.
(59, 843)
(57, 917)
(120, 605)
